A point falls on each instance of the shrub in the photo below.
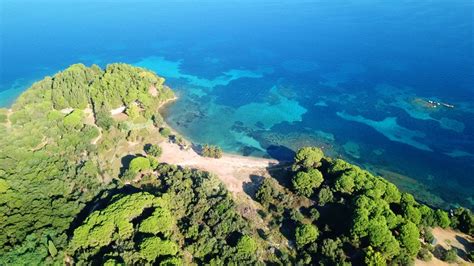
(450, 256)
(305, 234)
(157, 120)
(165, 132)
(246, 245)
(428, 235)
(211, 151)
(325, 196)
(314, 214)
(424, 254)
(153, 150)
(139, 164)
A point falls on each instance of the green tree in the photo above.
(306, 234)
(305, 182)
(428, 216)
(246, 245)
(153, 150)
(161, 221)
(412, 213)
(463, 220)
(173, 261)
(314, 214)
(325, 196)
(133, 111)
(374, 258)
(409, 236)
(139, 164)
(308, 157)
(345, 184)
(154, 247)
(332, 249)
(211, 151)
(392, 194)
(265, 192)
(74, 119)
(442, 218)
(114, 223)
(381, 238)
(53, 251)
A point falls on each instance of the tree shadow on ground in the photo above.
(250, 188)
(281, 171)
(467, 245)
(197, 148)
(126, 162)
(439, 252)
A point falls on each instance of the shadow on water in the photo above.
(281, 153)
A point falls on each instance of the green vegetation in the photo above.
(140, 164)
(356, 217)
(308, 157)
(153, 150)
(165, 132)
(305, 182)
(114, 225)
(49, 166)
(425, 254)
(246, 246)
(450, 256)
(463, 220)
(65, 200)
(211, 151)
(306, 234)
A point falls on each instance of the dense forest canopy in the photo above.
(81, 182)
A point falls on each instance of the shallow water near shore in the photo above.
(263, 79)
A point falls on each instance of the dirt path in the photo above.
(8, 124)
(90, 120)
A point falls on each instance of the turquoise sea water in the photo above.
(264, 78)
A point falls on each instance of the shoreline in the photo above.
(174, 131)
(233, 170)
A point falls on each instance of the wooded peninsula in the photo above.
(86, 178)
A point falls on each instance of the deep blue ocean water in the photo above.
(263, 78)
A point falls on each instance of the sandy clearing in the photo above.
(153, 91)
(448, 239)
(232, 170)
